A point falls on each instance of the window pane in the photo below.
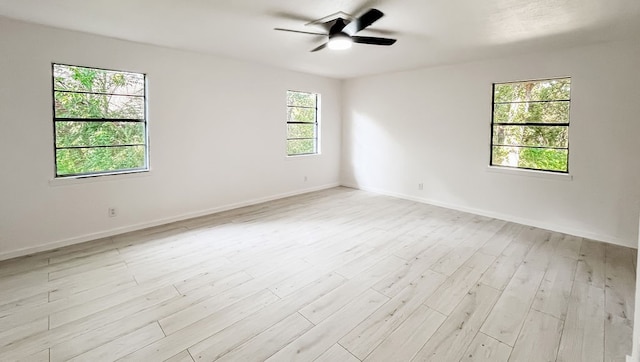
(551, 112)
(81, 79)
(545, 136)
(533, 158)
(543, 147)
(296, 147)
(84, 105)
(296, 114)
(93, 160)
(541, 90)
(302, 123)
(301, 99)
(301, 131)
(69, 134)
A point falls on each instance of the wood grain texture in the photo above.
(336, 353)
(619, 302)
(183, 356)
(335, 275)
(229, 338)
(457, 332)
(409, 337)
(583, 332)
(368, 334)
(507, 317)
(453, 290)
(591, 263)
(270, 341)
(320, 338)
(539, 338)
(486, 349)
(554, 292)
(500, 273)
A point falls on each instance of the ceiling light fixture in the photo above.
(340, 41)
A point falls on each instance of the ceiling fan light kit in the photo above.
(340, 41)
(342, 33)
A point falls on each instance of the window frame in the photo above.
(144, 122)
(315, 123)
(530, 124)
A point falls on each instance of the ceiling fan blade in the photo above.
(291, 16)
(319, 48)
(372, 40)
(363, 21)
(298, 31)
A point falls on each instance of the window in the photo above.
(99, 119)
(302, 123)
(530, 125)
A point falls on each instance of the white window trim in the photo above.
(514, 171)
(103, 177)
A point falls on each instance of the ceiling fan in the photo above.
(342, 33)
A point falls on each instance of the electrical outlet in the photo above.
(112, 212)
(420, 186)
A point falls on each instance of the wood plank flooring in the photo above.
(335, 275)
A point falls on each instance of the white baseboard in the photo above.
(506, 217)
(144, 225)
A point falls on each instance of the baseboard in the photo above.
(158, 222)
(506, 217)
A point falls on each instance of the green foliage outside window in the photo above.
(530, 127)
(99, 118)
(302, 125)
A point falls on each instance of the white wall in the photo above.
(217, 138)
(635, 356)
(432, 126)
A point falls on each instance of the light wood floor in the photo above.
(337, 275)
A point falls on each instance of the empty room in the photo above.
(330, 180)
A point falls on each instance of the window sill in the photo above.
(114, 176)
(530, 173)
(293, 157)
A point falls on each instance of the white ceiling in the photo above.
(429, 32)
